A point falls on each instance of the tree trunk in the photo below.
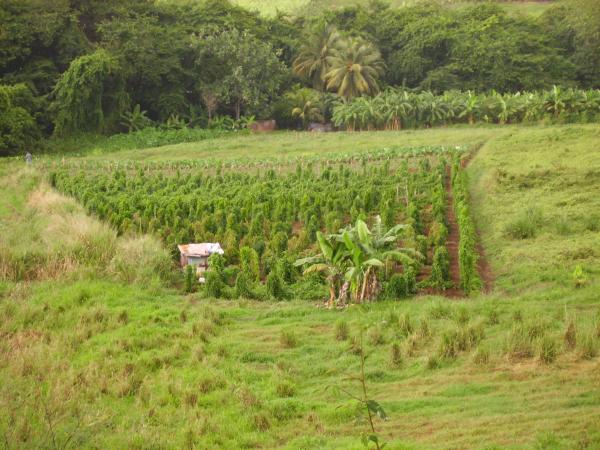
(238, 108)
(365, 283)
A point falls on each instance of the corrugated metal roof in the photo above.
(204, 249)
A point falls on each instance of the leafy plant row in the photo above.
(395, 109)
(470, 281)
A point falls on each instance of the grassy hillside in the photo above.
(310, 6)
(90, 357)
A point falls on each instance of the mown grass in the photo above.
(289, 144)
(89, 362)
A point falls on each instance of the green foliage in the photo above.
(548, 350)
(341, 330)
(18, 129)
(90, 95)
(467, 250)
(275, 286)
(246, 71)
(249, 263)
(526, 225)
(213, 284)
(396, 287)
(243, 285)
(397, 108)
(190, 278)
(440, 269)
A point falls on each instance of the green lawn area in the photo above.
(90, 361)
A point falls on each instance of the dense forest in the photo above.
(72, 66)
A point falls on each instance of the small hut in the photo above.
(197, 255)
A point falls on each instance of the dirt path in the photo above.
(452, 240)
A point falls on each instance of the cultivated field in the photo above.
(99, 347)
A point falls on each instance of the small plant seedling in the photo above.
(579, 277)
(371, 407)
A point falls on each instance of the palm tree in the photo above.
(306, 107)
(354, 69)
(312, 62)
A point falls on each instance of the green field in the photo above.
(99, 348)
(271, 7)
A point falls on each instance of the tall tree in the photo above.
(243, 71)
(90, 95)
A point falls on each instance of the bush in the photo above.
(288, 339)
(395, 355)
(242, 286)
(190, 279)
(548, 350)
(396, 288)
(18, 129)
(481, 356)
(570, 336)
(341, 330)
(588, 346)
(249, 263)
(405, 325)
(526, 225)
(440, 269)
(376, 336)
(213, 285)
(274, 285)
(518, 343)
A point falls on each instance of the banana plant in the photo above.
(370, 251)
(331, 262)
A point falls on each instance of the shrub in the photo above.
(396, 288)
(481, 356)
(213, 285)
(242, 286)
(493, 317)
(440, 310)
(526, 225)
(376, 336)
(405, 325)
(274, 284)
(190, 279)
(518, 343)
(579, 278)
(433, 362)
(410, 280)
(440, 269)
(448, 347)
(548, 350)
(341, 330)
(588, 346)
(462, 315)
(288, 339)
(249, 263)
(570, 336)
(285, 389)
(424, 330)
(395, 355)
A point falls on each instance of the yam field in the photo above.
(433, 288)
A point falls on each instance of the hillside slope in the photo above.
(90, 358)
